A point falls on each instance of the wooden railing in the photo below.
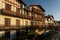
(16, 14)
(28, 17)
(6, 12)
(38, 11)
(38, 18)
(20, 15)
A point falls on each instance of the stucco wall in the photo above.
(13, 20)
(0, 3)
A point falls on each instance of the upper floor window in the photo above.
(7, 22)
(30, 14)
(18, 10)
(35, 15)
(27, 13)
(8, 7)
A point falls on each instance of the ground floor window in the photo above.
(17, 22)
(26, 23)
(7, 22)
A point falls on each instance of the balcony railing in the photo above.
(38, 18)
(7, 12)
(38, 11)
(16, 14)
(28, 17)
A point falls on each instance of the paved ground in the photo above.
(53, 36)
(56, 36)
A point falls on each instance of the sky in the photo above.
(51, 7)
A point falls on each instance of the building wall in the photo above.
(13, 8)
(40, 16)
(23, 21)
(13, 20)
(0, 4)
(14, 5)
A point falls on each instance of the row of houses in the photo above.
(49, 21)
(14, 16)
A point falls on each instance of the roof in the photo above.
(49, 16)
(38, 6)
(22, 2)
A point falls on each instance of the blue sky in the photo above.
(51, 7)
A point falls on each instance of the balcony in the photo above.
(38, 18)
(28, 17)
(24, 16)
(38, 11)
(15, 14)
(7, 12)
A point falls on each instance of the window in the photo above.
(30, 14)
(18, 23)
(7, 22)
(25, 13)
(35, 15)
(18, 10)
(26, 23)
(14, 8)
(8, 7)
